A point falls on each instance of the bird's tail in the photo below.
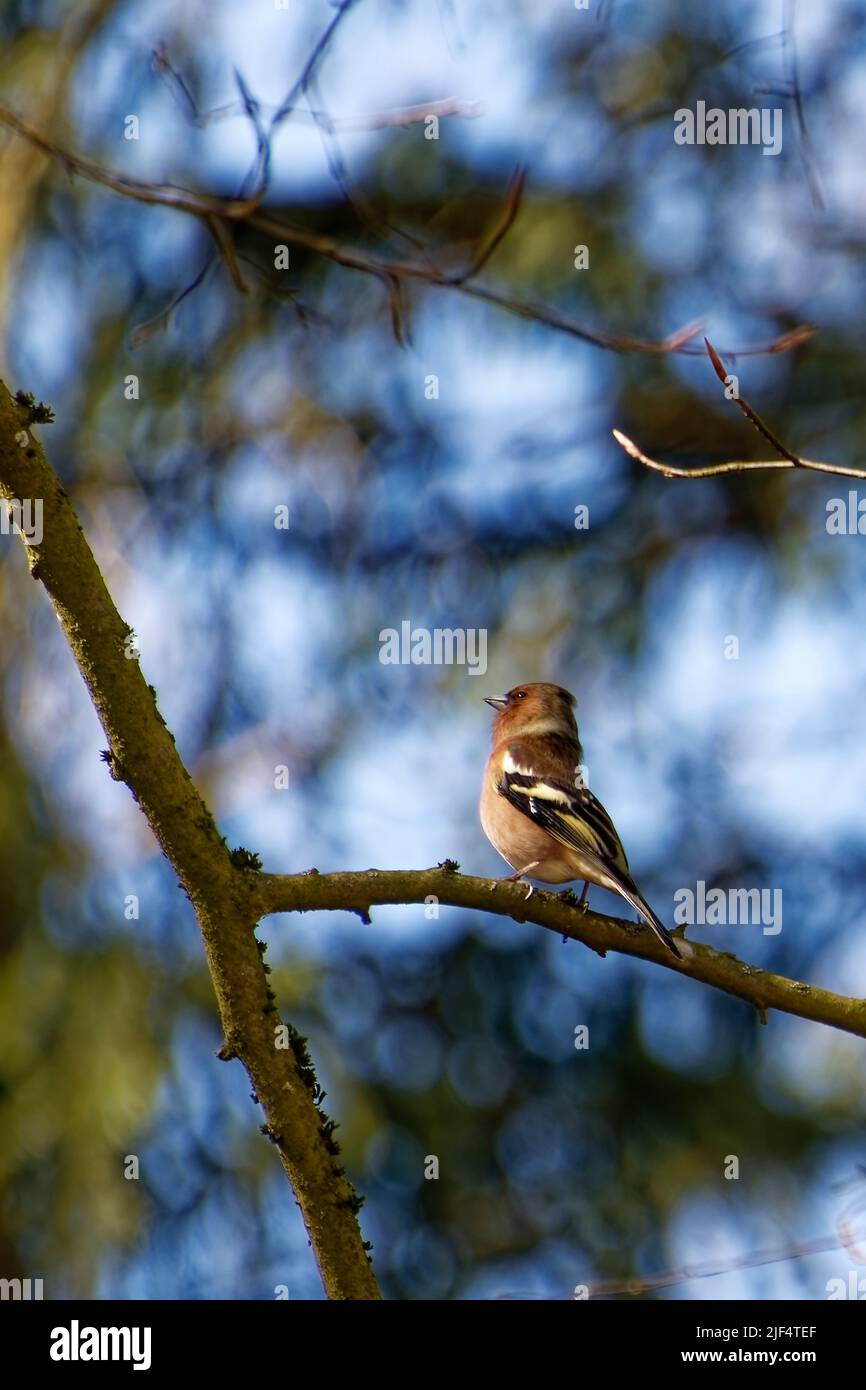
(631, 894)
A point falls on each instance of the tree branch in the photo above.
(751, 415)
(440, 107)
(787, 459)
(358, 892)
(224, 895)
(206, 207)
(712, 470)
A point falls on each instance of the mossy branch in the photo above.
(358, 892)
(221, 887)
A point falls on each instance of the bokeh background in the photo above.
(453, 1035)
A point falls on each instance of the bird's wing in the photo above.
(571, 814)
(577, 819)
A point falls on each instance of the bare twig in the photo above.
(180, 90)
(751, 415)
(708, 1269)
(404, 115)
(299, 88)
(260, 173)
(393, 117)
(143, 332)
(794, 90)
(398, 313)
(501, 229)
(713, 470)
(246, 209)
(359, 204)
(788, 458)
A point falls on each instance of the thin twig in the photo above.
(669, 470)
(751, 415)
(389, 119)
(406, 115)
(300, 86)
(503, 226)
(143, 332)
(362, 208)
(204, 206)
(708, 1269)
(788, 458)
(259, 175)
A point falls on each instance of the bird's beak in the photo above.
(497, 701)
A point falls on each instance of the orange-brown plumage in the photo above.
(535, 809)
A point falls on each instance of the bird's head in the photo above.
(536, 708)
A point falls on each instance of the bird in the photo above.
(536, 810)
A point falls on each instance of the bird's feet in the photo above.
(518, 874)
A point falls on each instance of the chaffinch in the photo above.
(535, 809)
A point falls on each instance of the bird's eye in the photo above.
(520, 694)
